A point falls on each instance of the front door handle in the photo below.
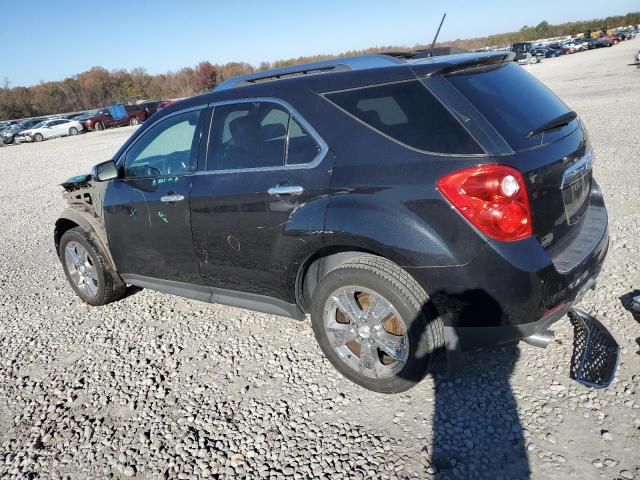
(172, 198)
(286, 190)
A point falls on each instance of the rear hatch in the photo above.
(550, 145)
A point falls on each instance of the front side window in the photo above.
(257, 135)
(165, 149)
(408, 113)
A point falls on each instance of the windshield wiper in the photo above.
(557, 122)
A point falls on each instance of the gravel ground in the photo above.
(156, 386)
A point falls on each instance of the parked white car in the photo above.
(576, 46)
(58, 127)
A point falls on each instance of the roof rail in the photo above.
(338, 65)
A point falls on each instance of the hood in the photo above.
(76, 182)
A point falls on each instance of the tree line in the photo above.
(99, 87)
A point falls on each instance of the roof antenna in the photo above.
(436, 37)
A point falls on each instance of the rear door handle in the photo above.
(172, 198)
(286, 190)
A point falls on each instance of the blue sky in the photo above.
(50, 40)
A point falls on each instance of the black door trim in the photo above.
(250, 301)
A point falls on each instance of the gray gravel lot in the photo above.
(155, 386)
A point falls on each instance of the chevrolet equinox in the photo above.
(409, 206)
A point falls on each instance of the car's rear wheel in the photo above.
(134, 121)
(374, 324)
(38, 137)
(99, 126)
(73, 131)
(86, 269)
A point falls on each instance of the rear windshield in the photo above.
(408, 113)
(512, 100)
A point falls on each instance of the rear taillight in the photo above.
(491, 197)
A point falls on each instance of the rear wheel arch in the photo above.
(322, 262)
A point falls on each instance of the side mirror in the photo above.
(105, 171)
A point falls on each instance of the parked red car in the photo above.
(162, 105)
(611, 39)
(102, 118)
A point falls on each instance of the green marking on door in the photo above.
(159, 181)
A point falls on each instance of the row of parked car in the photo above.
(532, 52)
(43, 128)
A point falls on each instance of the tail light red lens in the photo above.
(491, 197)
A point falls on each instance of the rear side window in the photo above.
(512, 100)
(257, 135)
(410, 114)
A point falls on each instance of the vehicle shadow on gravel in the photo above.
(476, 429)
(130, 291)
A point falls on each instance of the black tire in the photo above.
(424, 327)
(73, 131)
(110, 285)
(38, 137)
(99, 126)
(134, 121)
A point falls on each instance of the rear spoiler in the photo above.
(456, 64)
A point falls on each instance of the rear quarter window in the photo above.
(408, 113)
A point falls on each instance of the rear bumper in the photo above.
(511, 290)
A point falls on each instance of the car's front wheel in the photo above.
(73, 131)
(86, 269)
(99, 126)
(374, 324)
(38, 137)
(134, 121)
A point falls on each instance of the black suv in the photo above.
(411, 207)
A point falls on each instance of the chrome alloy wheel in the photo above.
(82, 272)
(366, 331)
